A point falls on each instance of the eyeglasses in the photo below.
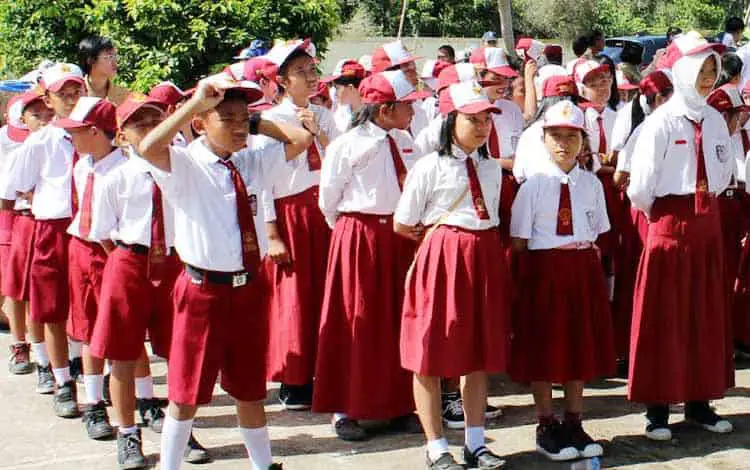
(110, 57)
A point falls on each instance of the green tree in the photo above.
(182, 40)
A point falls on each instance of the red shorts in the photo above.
(130, 305)
(48, 291)
(86, 266)
(217, 328)
(16, 273)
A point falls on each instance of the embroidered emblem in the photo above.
(565, 216)
(254, 204)
(721, 153)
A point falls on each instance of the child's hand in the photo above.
(309, 121)
(278, 252)
(208, 94)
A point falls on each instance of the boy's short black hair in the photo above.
(448, 50)
(580, 44)
(89, 49)
(734, 25)
(284, 68)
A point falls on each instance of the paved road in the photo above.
(34, 439)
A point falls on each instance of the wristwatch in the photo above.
(255, 122)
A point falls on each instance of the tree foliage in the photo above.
(181, 40)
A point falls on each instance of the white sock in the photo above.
(74, 348)
(107, 368)
(17, 341)
(474, 437)
(39, 351)
(437, 448)
(128, 430)
(94, 386)
(174, 438)
(144, 387)
(62, 375)
(258, 447)
(338, 417)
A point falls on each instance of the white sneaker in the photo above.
(658, 433)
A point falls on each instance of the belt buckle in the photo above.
(383, 220)
(729, 192)
(239, 280)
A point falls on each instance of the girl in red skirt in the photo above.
(563, 330)
(460, 330)
(680, 344)
(358, 372)
(298, 235)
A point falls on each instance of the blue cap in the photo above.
(257, 48)
(489, 36)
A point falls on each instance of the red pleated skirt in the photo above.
(16, 276)
(563, 327)
(508, 191)
(358, 369)
(680, 347)
(609, 242)
(294, 293)
(457, 306)
(7, 218)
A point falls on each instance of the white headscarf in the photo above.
(684, 75)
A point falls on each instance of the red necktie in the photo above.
(476, 190)
(313, 157)
(702, 198)
(250, 252)
(494, 141)
(157, 254)
(564, 211)
(398, 163)
(84, 223)
(602, 135)
(745, 142)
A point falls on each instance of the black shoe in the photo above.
(552, 442)
(65, 401)
(453, 413)
(407, 424)
(296, 397)
(105, 391)
(623, 368)
(483, 459)
(587, 447)
(349, 430)
(445, 462)
(275, 466)
(151, 415)
(19, 362)
(130, 451)
(657, 428)
(195, 453)
(45, 381)
(96, 421)
(700, 413)
(76, 369)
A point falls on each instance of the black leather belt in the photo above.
(731, 193)
(26, 212)
(139, 249)
(236, 279)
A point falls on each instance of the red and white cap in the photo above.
(545, 72)
(390, 55)
(564, 114)
(280, 53)
(531, 48)
(91, 111)
(690, 43)
(559, 85)
(347, 69)
(431, 71)
(17, 130)
(59, 74)
(584, 69)
(457, 73)
(466, 98)
(321, 91)
(727, 98)
(389, 87)
(623, 83)
(254, 69)
(494, 60)
(366, 62)
(135, 102)
(655, 82)
(166, 92)
(227, 82)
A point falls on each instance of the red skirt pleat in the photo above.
(295, 291)
(457, 305)
(358, 369)
(563, 326)
(681, 348)
(16, 275)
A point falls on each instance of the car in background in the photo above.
(643, 46)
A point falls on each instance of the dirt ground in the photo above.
(33, 438)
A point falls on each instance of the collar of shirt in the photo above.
(459, 154)
(200, 151)
(570, 177)
(374, 130)
(677, 107)
(106, 163)
(288, 105)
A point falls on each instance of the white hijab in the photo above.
(684, 75)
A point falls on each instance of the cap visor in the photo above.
(715, 46)
(328, 79)
(505, 71)
(564, 125)
(16, 134)
(69, 124)
(479, 107)
(55, 87)
(406, 61)
(627, 87)
(415, 96)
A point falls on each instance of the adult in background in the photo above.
(97, 57)
(489, 39)
(732, 34)
(446, 53)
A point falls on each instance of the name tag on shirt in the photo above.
(680, 142)
(254, 204)
(407, 150)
